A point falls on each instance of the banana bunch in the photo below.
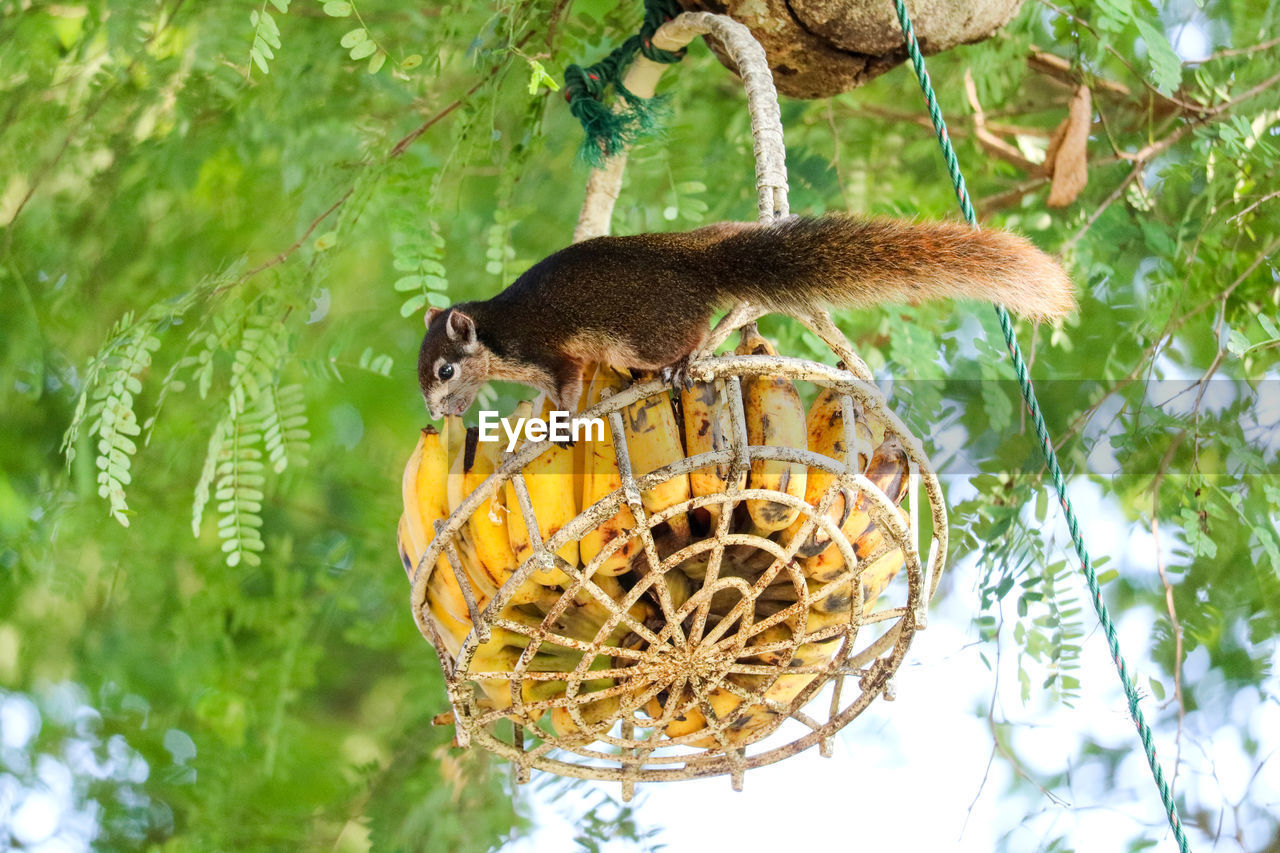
(768, 658)
(486, 546)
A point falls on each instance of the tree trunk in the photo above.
(819, 48)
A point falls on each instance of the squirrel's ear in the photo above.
(460, 327)
(432, 313)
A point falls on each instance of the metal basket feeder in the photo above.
(705, 656)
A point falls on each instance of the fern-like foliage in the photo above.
(239, 492)
(284, 426)
(107, 403)
(211, 459)
(263, 420)
(420, 254)
(266, 35)
(257, 360)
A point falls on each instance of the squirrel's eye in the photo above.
(445, 371)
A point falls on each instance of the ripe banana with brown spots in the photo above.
(826, 435)
(550, 480)
(603, 478)
(653, 441)
(887, 471)
(776, 418)
(705, 412)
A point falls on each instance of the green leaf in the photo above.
(282, 5)
(1113, 15)
(1166, 67)
(337, 8)
(538, 77)
(413, 304)
(376, 62)
(354, 37)
(1237, 343)
(363, 49)
(410, 62)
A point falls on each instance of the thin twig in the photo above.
(1171, 326)
(1111, 199)
(991, 143)
(1240, 51)
(1156, 94)
(992, 203)
(398, 149)
(1266, 198)
(284, 256)
(412, 136)
(915, 118)
(101, 100)
(553, 18)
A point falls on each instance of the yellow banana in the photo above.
(442, 587)
(887, 471)
(687, 719)
(825, 428)
(452, 629)
(539, 690)
(878, 574)
(455, 434)
(431, 481)
(501, 653)
(464, 541)
(425, 502)
(550, 480)
(495, 657)
(724, 703)
(705, 413)
(653, 440)
(582, 449)
(810, 653)
(404, 547)
(602, 478)
(775, 417)
(679, 587)
(597, 714)
(642, 611)
(414, 533)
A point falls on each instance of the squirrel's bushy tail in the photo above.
(846, 261)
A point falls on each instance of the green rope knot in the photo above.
(608, 131)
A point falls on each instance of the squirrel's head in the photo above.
(452, 364)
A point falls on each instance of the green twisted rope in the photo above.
(611, 132)
(1046, 445)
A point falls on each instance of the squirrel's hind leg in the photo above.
(569, 385)
(677, 373)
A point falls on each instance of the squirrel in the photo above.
(645, 301)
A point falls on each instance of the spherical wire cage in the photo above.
(739, 674)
